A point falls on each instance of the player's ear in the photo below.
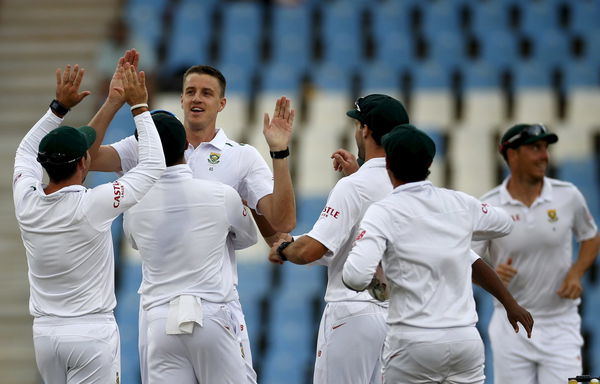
(222, 103)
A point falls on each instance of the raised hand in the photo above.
(67, 86)
(278, 131)
(134, 85)
(116, 93)
(344, 161)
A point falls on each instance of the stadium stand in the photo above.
(532, 60)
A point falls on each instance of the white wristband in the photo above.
(140, 105)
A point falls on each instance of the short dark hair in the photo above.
(404, 171)
(61, 172)
(207, 70)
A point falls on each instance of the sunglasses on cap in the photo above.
(357, 104)
(533, 130)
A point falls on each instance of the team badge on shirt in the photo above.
(552, 217)
(213, 158)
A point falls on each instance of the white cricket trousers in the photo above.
(418, 356)
(244, 340)
(350, 343)
(210, 354)
(551, 356)
(77, 350)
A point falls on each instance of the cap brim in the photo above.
(353, 113)
(89, 133)
(550, 138)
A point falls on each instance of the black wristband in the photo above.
(58, 108)
(280, 249)
(280, 154)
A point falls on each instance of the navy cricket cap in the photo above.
(380, 112)
(65, 145)
(409, 145)
(172, 135)
(521, 134)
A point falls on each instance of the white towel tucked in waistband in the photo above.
(184, 311)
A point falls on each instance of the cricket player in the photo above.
(352, 328)
(65, 229)
(182, 228)
(422, 236)
(535, 262)
(213, 156)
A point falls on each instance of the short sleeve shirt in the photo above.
(540, 244)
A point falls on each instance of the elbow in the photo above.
(285, 226)
(353, 281)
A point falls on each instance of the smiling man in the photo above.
(535, 262)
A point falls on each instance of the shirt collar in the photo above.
(506, 198)
(218, 141)
(375, 162)
(177, 171)
(413, 186)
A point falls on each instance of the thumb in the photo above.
(266, 120)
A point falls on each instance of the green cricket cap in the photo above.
(65, 144)
(380, 112)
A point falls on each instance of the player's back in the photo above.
(71, 263)
(181, 229)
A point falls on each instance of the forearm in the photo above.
(588, 251)
(281, 212)
(304, 250)
(100, 123)
(486, 278)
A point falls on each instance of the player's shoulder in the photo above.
(492, 194)
(561, 184)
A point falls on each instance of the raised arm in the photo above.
(67, 97)
(104, 157)
(279, 208)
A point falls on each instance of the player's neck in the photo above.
(373, 150)
(524, 189)
(53, 187)
(198, 135)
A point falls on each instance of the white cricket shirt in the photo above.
(540, 244)
(66, 234)
(182, 229)
(422, 234)
(338, 224)
(221, 159)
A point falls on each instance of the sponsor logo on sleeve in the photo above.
(118, 193)
(485, 208)
(360, 235)
(330, 212)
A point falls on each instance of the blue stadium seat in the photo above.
(440, 18)
(390, 17)
(328, 77)
(448, 50)
(479, 75)
(239, 78)
(190, 37)
(585, 17)
(380, 77)
(291, 36)
(498, 48)
(580, 74)
(242, 28)
(145, 20)
(531, 74)
(254, 283)
(539, 17)
(301, 281)
(584, 174)
(430, 76)
(552, 47)
(489, 17)
(280, 78)
(341, 34)
(592, 48)
(395, 49)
